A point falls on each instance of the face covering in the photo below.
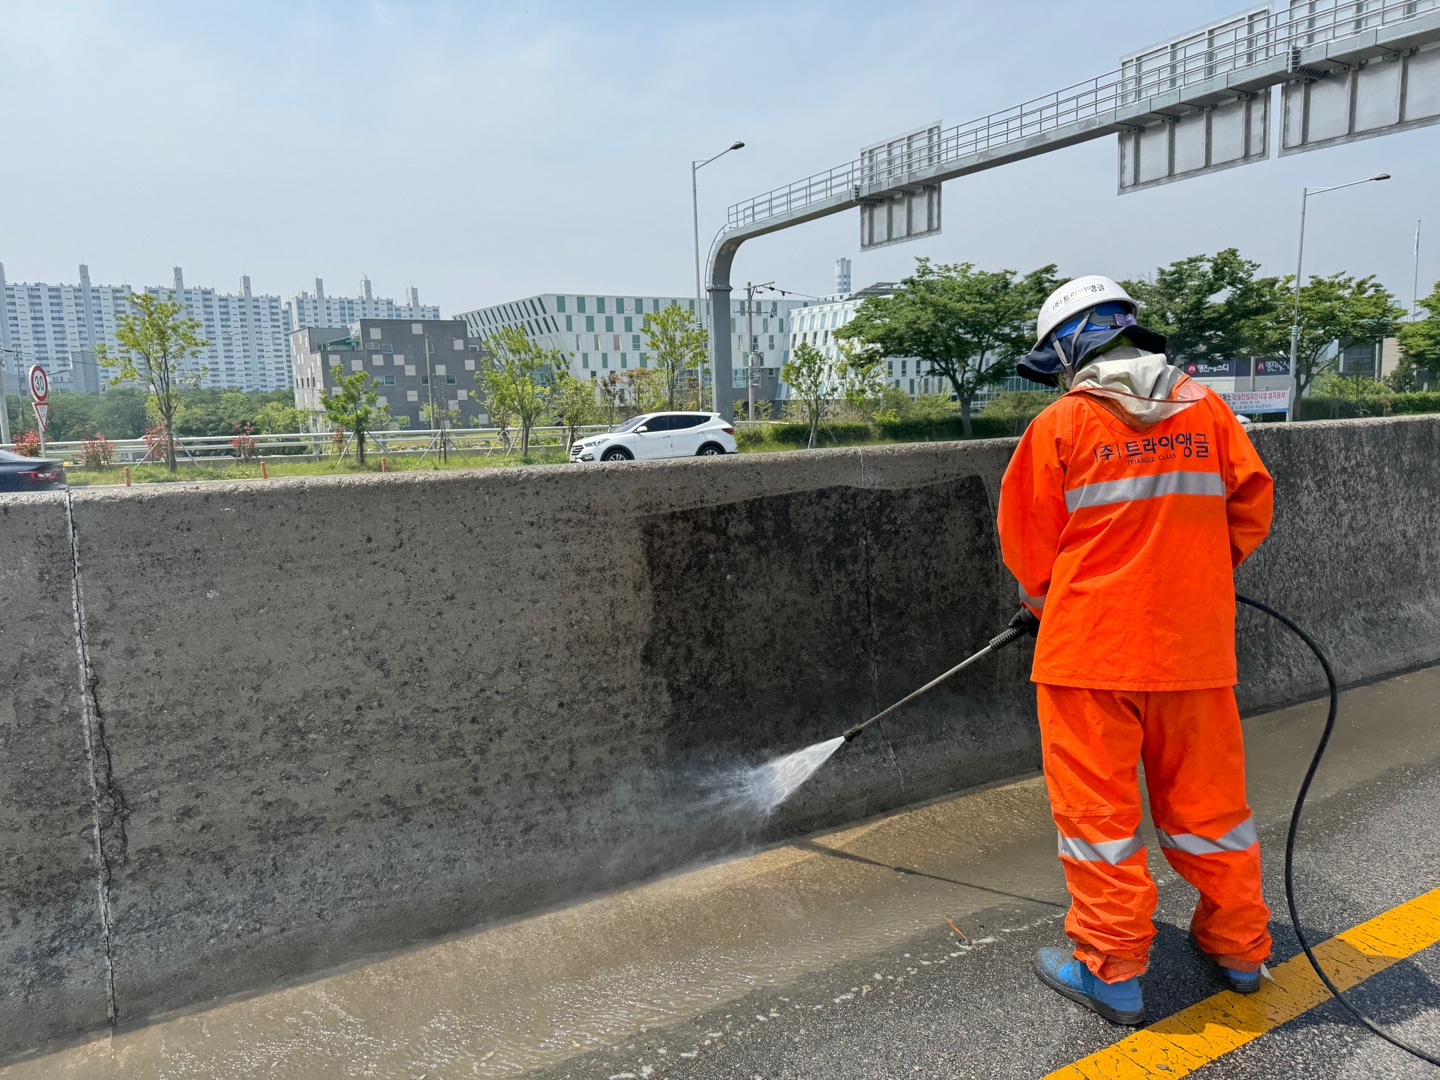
(1082, 340)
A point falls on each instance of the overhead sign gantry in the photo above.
(1333, 70)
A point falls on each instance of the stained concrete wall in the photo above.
(338, 716)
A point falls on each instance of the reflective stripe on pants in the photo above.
(1106, 851)
(1237, 839)
(1190, 743)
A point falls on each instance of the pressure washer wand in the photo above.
(1023, 623)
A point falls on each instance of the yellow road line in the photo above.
(1193, 1037)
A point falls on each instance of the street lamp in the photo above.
(1294, 411)
(695, 167)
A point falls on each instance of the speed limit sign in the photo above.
(39, 383)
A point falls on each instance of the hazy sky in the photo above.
(485, 152)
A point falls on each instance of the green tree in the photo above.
(437, 414)
(518, 375)
(968, 325)
(677, 345)
(1338, 308)
(812, 382)
(1420, 340)
(278, 418)
(350, 405)
(859, 375)
(1202, 304)
(575, 405)
(155, 340)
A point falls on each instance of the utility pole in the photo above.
(749, 351)
(750, 366)
(430, 386)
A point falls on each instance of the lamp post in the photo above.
(1294, 411)
(695, 167)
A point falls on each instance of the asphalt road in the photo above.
(932, 1007)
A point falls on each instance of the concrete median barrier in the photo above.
(334, 717)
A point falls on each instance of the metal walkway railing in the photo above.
(1250, 38)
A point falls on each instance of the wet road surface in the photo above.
(898, 947)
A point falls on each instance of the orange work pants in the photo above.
(1195, 771)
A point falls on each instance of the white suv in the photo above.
(659, 435)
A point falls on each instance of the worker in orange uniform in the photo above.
(1126, 508)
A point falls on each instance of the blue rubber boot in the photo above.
(1120, 1003)
(1242, 982)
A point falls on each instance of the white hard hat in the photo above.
(1075, 297)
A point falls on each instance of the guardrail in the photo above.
(1263, 36)
(321, 444)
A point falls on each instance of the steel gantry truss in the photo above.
(1249, 54)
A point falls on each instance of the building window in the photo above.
(389, 380)
(629, 324)
(560, 305)
(634, 340)
(569, 322)
(610, 323)
(415, 328)
(585, 360)
(424, 380)
(580, 304)
(450, 379)
(600, 304)
(604, 360)
(589, 322)
(643, 359)
(624, 360)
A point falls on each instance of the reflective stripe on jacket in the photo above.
(1125, 542)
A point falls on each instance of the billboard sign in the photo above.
(1237, 368)
(1250, 402)
(1217, 369)
(893, 208)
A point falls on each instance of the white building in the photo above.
(317, 309)
(816, 321)
(56, 326)
(249, 335)
(601, 334)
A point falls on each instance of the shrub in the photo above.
(1344, 408)
(97, 452)
(27, 443)
(157, 443)
(243, 445)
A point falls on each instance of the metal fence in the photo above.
(1245, 41)
(315, 445)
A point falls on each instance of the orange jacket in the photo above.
(1124, 541)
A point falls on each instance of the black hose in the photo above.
(1295, 828)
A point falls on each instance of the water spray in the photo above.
(767, 786)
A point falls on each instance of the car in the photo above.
(21, 473)
(659, 435)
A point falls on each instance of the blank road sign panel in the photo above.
(1374, 97)
(893, 206)
(1186, 138)
(1220, 136)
